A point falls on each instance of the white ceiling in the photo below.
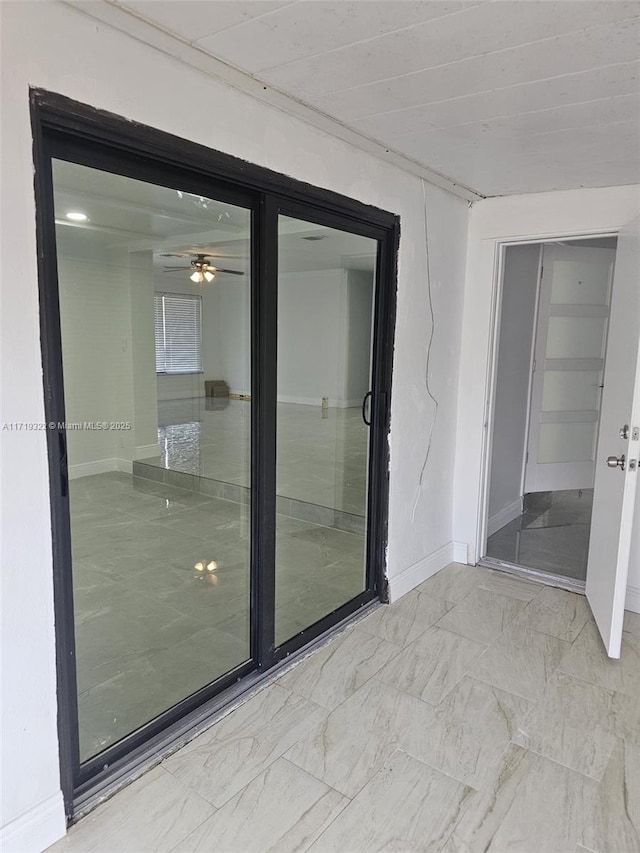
(503, 96)
(130, 216)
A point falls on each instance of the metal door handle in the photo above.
(364, 407)
(616, 462)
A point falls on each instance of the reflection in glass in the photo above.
(325, 311)
(159, 494)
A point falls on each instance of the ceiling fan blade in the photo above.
(231, 272)
(175, 269)
(217, 255)
(175, 254)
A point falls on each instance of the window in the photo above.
(178, 322)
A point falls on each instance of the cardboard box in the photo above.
(216, 388)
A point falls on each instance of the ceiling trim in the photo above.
(139, 28)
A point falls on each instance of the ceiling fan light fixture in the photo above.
(201, 269)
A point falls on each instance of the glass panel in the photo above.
(576, 337)
(159, 472)
(325, 312)
(567, 442)
(580, 283)
(571, 391)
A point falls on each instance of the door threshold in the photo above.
(174, 738)
(547, 578)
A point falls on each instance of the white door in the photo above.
(569, 359)
(615, 487)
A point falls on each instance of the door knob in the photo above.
(616, 462)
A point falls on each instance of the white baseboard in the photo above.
(87, 469)
(633, 599)
(300, 401)
(146, 451)
(37, 829)
(100, 466)
(124, 465)
(172, 398)
(507, 514)
(317, 401)
(333, 403)
(460, 553)
(421, 571)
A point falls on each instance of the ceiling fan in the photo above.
(201, 269)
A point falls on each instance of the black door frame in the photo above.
(68, 130)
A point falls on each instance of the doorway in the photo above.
(551, 347)
(217, 349)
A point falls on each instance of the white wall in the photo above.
(227, 327)
(57, 47)
(539, 216)
(311, 336)
(517, 318)
(93, 358)
(144, 435)
(359, 316)
(106, 319)
(421, 511)
(324, 336)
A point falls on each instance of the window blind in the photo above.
(178, 326)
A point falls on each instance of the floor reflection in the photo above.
(322, 453)
(552, 534)
(161, 594)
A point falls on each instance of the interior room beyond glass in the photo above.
(156, 313)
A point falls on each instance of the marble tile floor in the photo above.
(151, 628)
(322, 456)
(478, 714)
(552, 534)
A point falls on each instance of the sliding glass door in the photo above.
(326, 287)
(154, 291)
(217, 346)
